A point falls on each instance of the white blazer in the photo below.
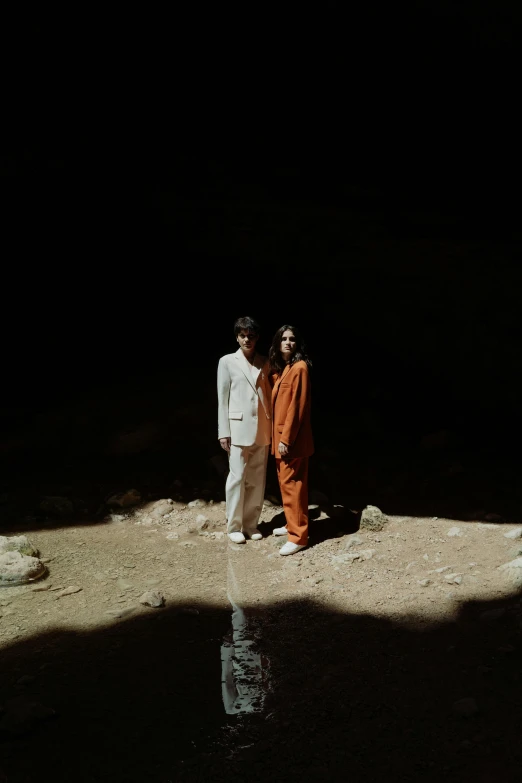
(244, 400)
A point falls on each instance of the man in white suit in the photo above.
(244, 429)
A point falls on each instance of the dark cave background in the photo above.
(375, 206)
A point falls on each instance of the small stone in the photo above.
(217, 536)
(69, 591)
(117, 518)
(353, 540)
(123, 584)
(410, 565)
(372, 518)
(453, 532)
(172, 536)
(202, 522)
(152, 598)
(457, 580)
(425, 557)
(198, 503)
(424, 582)
(440, 570)
(42, 588)
(465, 707)
(514, 534)
(366, 554)
(120, 613)
(161, 508)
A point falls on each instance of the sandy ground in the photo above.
(358, 652)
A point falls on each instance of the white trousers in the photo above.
(245, 487)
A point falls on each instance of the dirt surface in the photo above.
(361, 662)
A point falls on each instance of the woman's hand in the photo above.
(225, 443)
(282, 448)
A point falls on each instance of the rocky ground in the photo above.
(372, 654)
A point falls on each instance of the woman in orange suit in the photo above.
(292, 442)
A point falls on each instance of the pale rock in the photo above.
(172, 536)
(424, 582)
(440, 570)
(42, 588)
(152, 598)
(161, 508)
(117, 518)
(17, 544)
(513, 534)
(16, 569)
(513, 571)
(198, 503)
(454, 532)
(353, 540)
(125, 499)
(217, 536)
(372, 518)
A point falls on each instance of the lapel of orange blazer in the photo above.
(278, 383)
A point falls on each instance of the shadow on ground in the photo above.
(351, 697)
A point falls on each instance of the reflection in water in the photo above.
(241, 667)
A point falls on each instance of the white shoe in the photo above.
(290, 548)
(280, 531)
(237, 538)
(255, 535)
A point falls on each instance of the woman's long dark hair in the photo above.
(277, 363)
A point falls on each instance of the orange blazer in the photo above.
(291, 404)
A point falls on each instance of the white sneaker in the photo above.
(290, 548)
(237, 538)
(280, 531)
(255, 535)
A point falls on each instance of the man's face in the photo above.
(247, 340)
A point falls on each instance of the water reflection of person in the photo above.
(292, 441)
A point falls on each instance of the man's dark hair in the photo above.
(277, 362)
(248, 325)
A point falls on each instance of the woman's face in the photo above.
(288, 345)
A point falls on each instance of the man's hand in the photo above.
(225, 444)
(283, 448)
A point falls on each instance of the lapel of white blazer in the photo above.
(243, 363)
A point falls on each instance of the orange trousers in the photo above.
(293, 483)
